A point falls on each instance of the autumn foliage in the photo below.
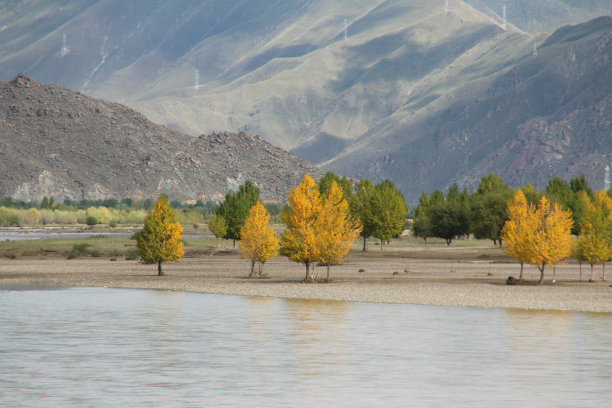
(335, 229)
(160, 239)
(257, 240)
(537, 235)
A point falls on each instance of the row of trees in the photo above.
(542, 234)
(484, 211)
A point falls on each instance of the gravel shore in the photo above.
(383, 279)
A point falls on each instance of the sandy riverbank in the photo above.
(410, 280)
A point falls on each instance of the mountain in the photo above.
(542, 116)
(348, 84)
(60, 143)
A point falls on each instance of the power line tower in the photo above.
(446, 6)
(64, 51)
(196, 78)
(345, 30)
(505, 24)
(535, 48)
(607, 178)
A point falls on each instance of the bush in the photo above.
(132, 254)
(78, 250)
(113, 224)
(9, 218)
(91, 220)
(96, 253)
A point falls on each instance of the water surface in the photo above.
(97, 347)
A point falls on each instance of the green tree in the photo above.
(488, 209)
(388, 212)
(343, 182)
(450, 217)
(422, 223)
(360, 208)
(235, 209)
(160, 239)
(218, 226)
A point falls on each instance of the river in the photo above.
(99, 347)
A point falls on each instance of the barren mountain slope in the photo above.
(56, 142)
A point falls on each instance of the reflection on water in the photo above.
(108, 347)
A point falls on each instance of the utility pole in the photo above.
(607, 178)
(535, 48)
(505, 25)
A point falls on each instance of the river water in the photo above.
(97, 347)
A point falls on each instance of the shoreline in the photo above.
(471, 283)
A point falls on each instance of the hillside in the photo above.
(546, 115)
(407, 80)
(56, 142)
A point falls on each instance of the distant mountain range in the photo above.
(59, 143)
(404, 89)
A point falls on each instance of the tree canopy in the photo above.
(257, 241)
(160, 239)
(235, 209)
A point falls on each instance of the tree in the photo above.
(450, 217)
(387, 211)
(595, 242)
(488, 208)
(422, 223)
(218, 226)
(160, 239)
(517, 231)
(257, 240)
(360, 208)
(344, 183)
(235, 209)
(335, 228)
(298, 242)
(552, 239)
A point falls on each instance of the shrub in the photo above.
(9, 218)
(113, 224)
(77, 250)
(96, 253)
(132, 254)
(91, 220)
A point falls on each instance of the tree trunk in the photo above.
(592, 274)
(159, 269)
(521, 274)
(381, 245)
(448, 241)
(580, 278)
(328, 267)
(217, 244)
(260, 269)
(307, 278)
(234, 243)
(603, 271)
(554, 273)
(541, 273)
(365, 244)
(252, 269)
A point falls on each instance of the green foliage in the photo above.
(421, 226)
(450, 218)
(343, 182)
(235, 209)
(78, 250)
(387, 211)
(8, 218)
(488, 208)
(91, 220)
(131, 254)
(359, 206)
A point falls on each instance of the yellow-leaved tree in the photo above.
(298, 242)
(553, 237)
(595, 241)
(335, 229)
(537, 235)
(516, 232)
(257, 240)
(161, 237)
